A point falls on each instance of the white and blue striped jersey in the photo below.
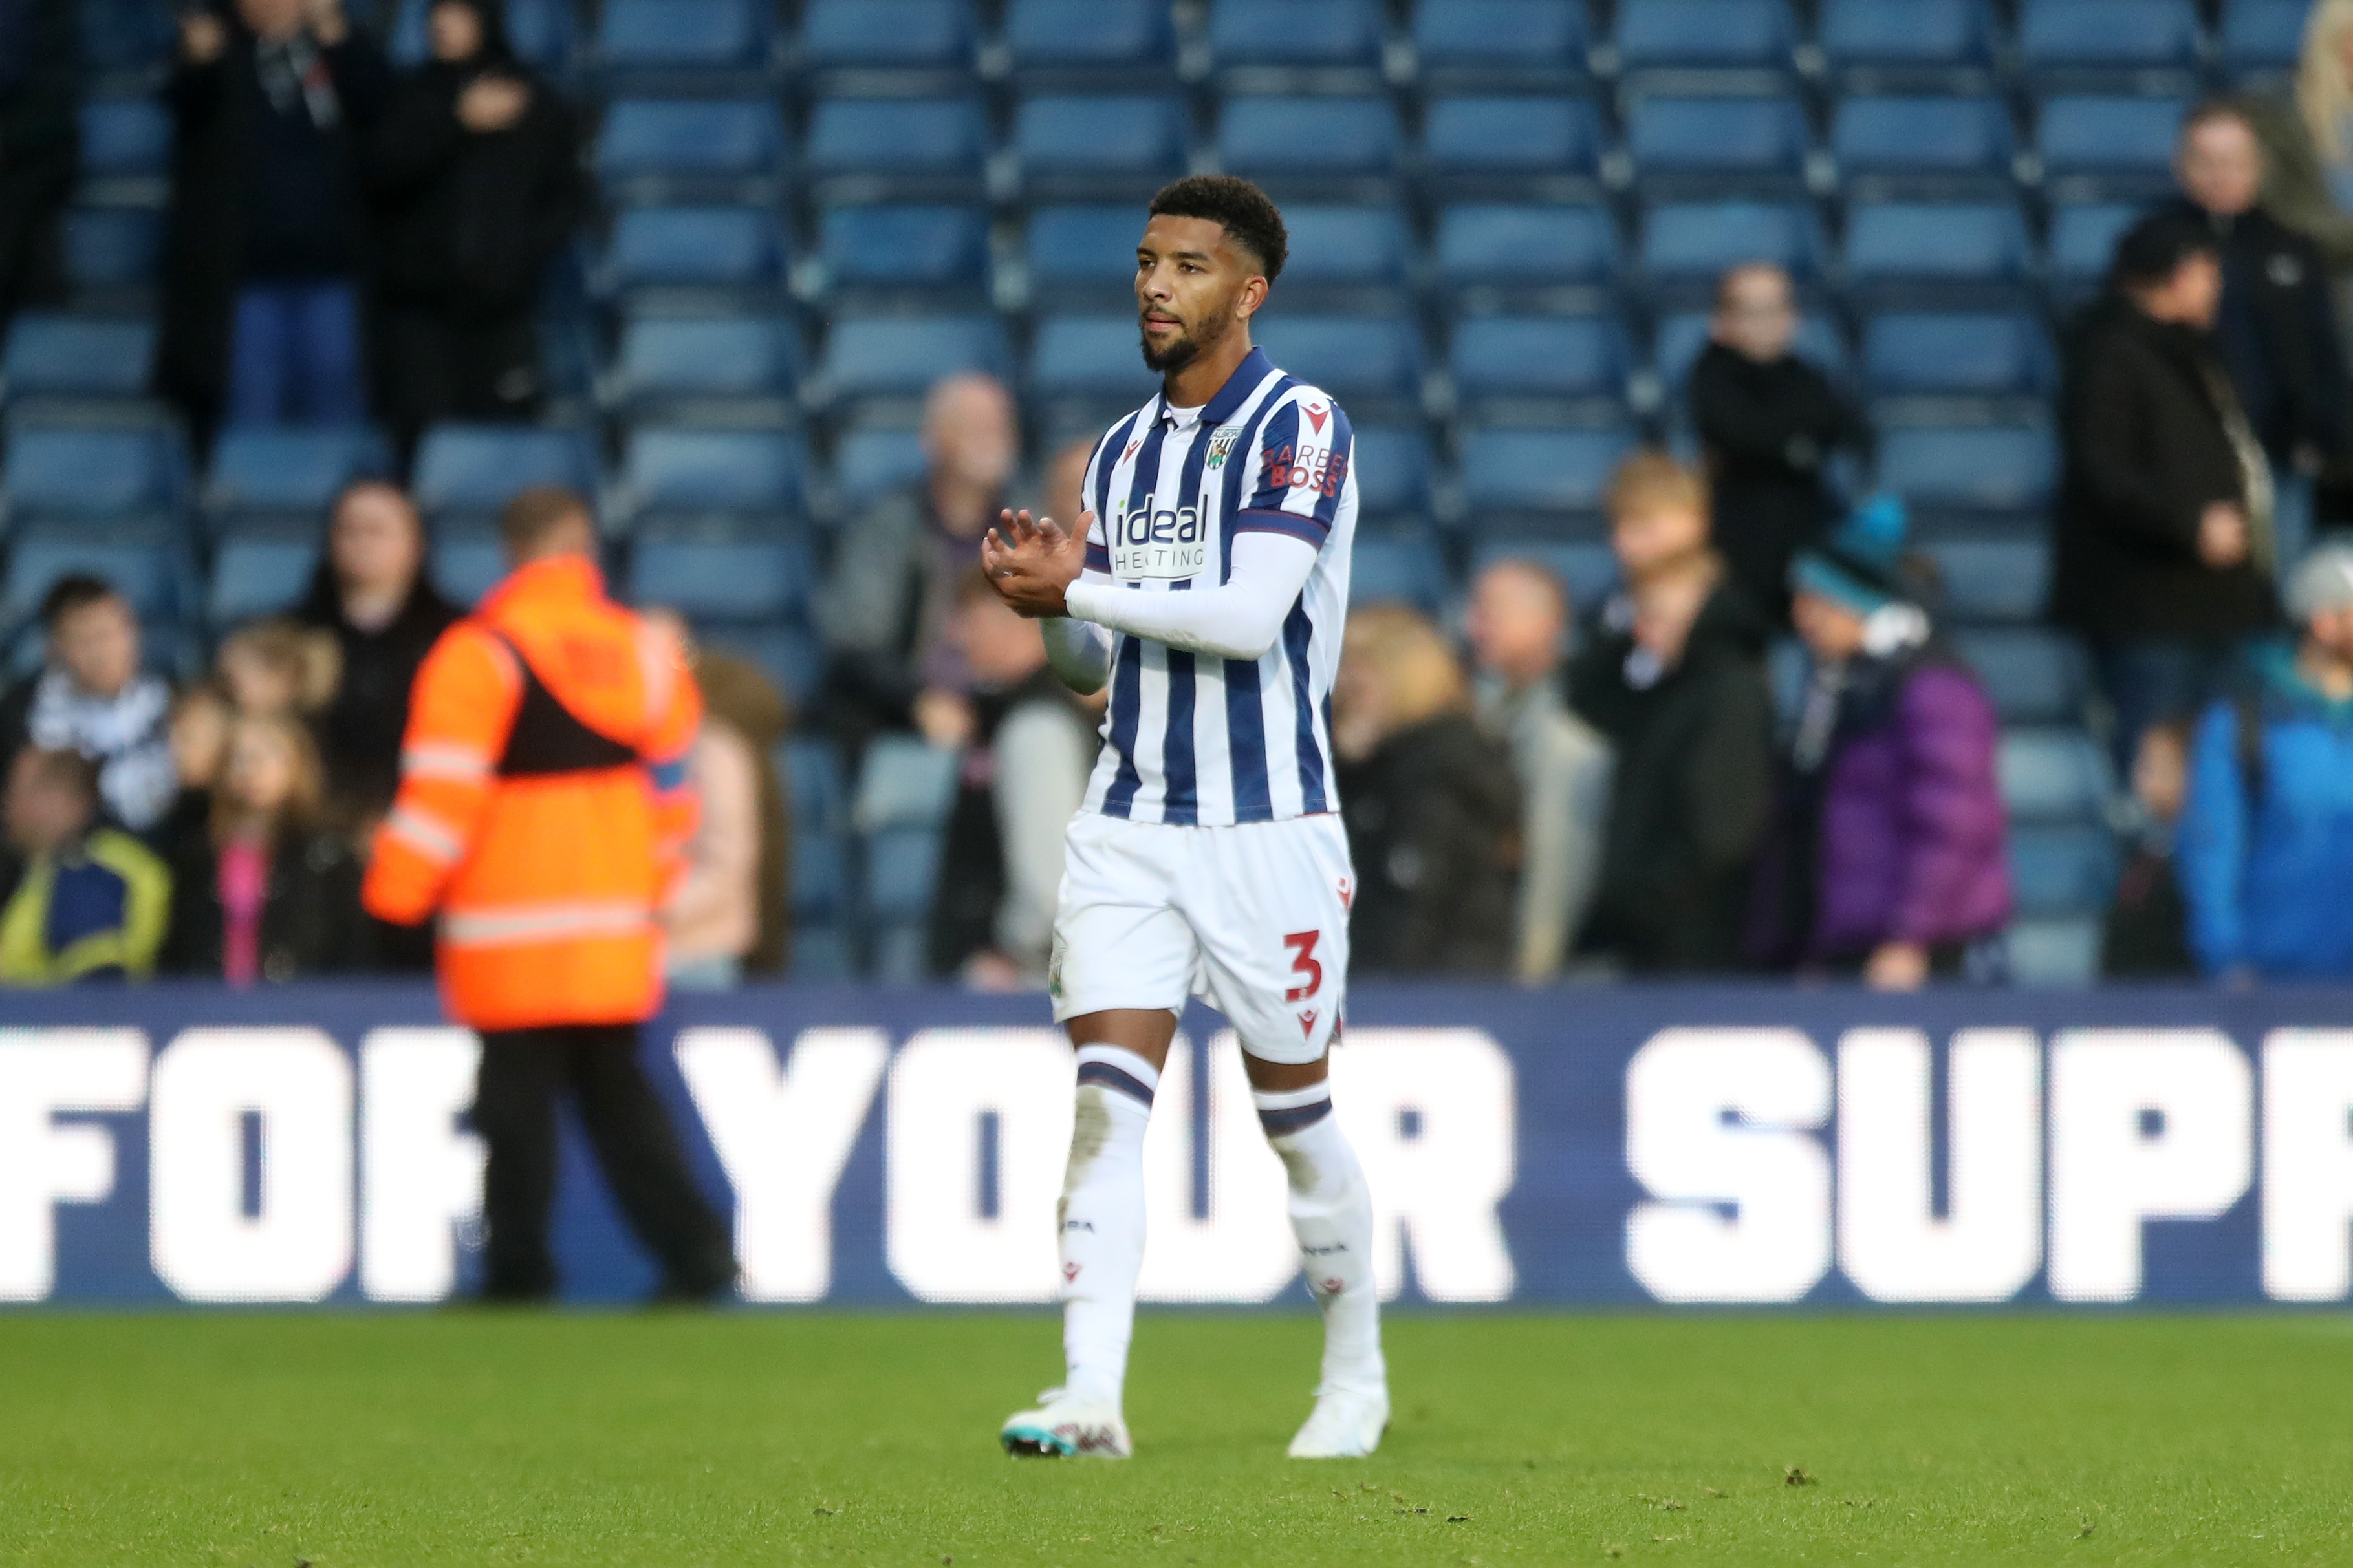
(1193, 739)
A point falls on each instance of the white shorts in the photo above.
(1252, 918)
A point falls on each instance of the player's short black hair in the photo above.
(74, 591)
(1247, 214)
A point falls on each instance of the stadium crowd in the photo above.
(1529, 790)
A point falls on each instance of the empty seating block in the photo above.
(76, 356)
(468, 566)
(2261, 38)
(1688, 245)
(721, 578)
(1961, 353)
(1516, 358)
(2053, 775)
(1509, 146)
(929, 248)
(1091, 249)
(1892, 247)
(2062, 870)
(753, 472)
(1392, 466)
(259, 574)
(1991, 579)
(95, 475)
(153, 574)
(1923, 140)
(1526, 246)
(1295, 33)
(666, 143)
(124, 137)
(1090, 39)
(671, 35)
(717, 247)
(1367, 363)
(2108, 40)
(2119, 144)
(2006, 470)
(1731, 141)
(1401, 569)
(1587, 571)
(292, 474)
(2034, 676)
(888, 35)
(1083, 145)
(2083, 241)
(1655, 35)
(1096, 358)
(904, 790)
(112, 247)
(1309, 138)
(901, 356)
(1346, 247)
(1499, 40)
(475, 470)
(708, 358)
(1907, 39)
(1533, 481)
(898, 145)
(868, 463)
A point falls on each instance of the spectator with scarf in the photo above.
(90, 697)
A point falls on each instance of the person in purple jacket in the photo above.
(1886, 859)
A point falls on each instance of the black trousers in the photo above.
(523, 1072)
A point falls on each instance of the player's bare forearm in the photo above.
(1031, 563)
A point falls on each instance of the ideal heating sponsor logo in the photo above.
(1152, 541)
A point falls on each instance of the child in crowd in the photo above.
(78, 901)
(278, 666)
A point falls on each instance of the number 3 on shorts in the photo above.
(1303, 962)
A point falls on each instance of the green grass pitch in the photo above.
(462, 1438)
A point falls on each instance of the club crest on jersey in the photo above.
(1221, 446)
(1149, 541)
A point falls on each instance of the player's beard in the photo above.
(1189, 345)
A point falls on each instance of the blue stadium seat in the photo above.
(1991, 579)
(1092, 358)
(1499, 43)
(889, 35)
(904, 790)
(684, 148)
(931, 250)
(1392, 465)
(1528, 148)
(1296, 33)
(468, 565)
(903, 782)
(913, 146)
(1315, 140)
(2108, 43)
(1513, 359)
(124, 136)
(1526, 246)
(1086, 253)
(702, 35)
(868, 463)
(1587, 571)
(1368, 365)
(1357, 247)
(1683, 336)
(1099, 146)
(1907, 40)
(1687, 246)
(901, 356)
(2262, 38)
(2053, 775)
(819, 785)
(1924, 141)
(127, 38)
(2084, 242)
(754, 473)
(289, 474)
(540, 31)
(2034, 676)
(1743, 143)
(52, 355)
(2117, 147)
(1689, 34)
(473, 470)
(1402, 570)
(2004, 469)
(2061, 951)
(1969, 353)
(1538, 481)
(1094, 43)
(151, 572)
(110, 249)
(788, 652)
(259, 574)
(71, 472)
(715, 577)
(1896, 249)
(2062, 870)
(714, 359)
(730, 247)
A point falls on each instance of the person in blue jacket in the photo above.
(2265, 854)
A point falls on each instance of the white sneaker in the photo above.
(1346, 1424)
(1066, 1426)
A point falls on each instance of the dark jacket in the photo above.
(1768, 430)
(360, 731)
(2148, 449)
(1433, 820)
(1890, 826)
(311, 922)
(2277, 334)
(225, 227)
(38, 143)
(1692, 790)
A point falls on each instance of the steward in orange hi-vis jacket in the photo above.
(542, 814)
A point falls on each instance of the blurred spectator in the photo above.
(886, 605)
(2308, 174)
(1430, 805)
(89, 697)
(262, 287)
(38, 143)
(261, 892)
(2277, 326)
(77, 901)
(1065, 481)
(2146, 934)
(1519, 627)
(1673, 679)
(2266, 846)
(278, 666)
(1769, 423)
(199, 723)
(1886, 856)
(374, 592)
(2165, 550)
(1023, 775)
(730, 914)
(475, 170)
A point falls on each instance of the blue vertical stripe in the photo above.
(1127, 683)
(1179, 768)
(1298, 632)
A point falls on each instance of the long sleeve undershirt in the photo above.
(1239, 618)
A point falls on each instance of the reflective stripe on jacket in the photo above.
(542, 805)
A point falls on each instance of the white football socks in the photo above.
(1102, 1214)
(1332, 1216)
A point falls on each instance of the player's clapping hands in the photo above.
(1031, 561)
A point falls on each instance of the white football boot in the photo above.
(1066, 1425)
(1346, 1424)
